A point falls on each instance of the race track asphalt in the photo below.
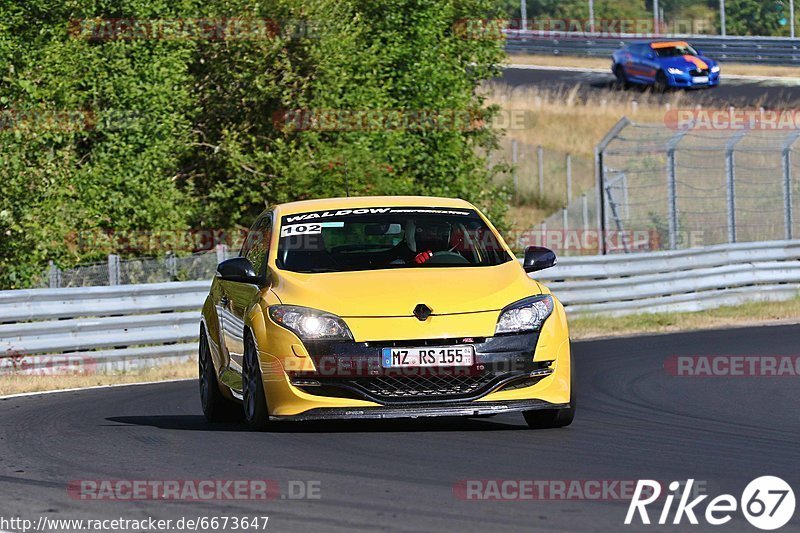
(635, 420)
(772, 93)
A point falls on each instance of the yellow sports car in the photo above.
(382, 307)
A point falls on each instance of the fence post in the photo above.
(222, 252)
(113, 269)
(172, 265)
(515, 171)
(672, 192)
(569, 179)
(540, 159)
(599, 170)
(730, 172)
(787, 183)
(672, 200)
(54, 273)
(585, 210)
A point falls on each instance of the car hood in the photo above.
(395, 292)
(687, 62)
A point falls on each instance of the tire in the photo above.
(554, 418)
(254, 399)
(660, 85)
(216, 407)
(619, 74)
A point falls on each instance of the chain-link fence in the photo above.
(665, 188)
(543, 176)
(116, 271)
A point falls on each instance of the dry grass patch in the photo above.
(19, 383)
(749, 314)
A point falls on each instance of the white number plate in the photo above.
(700, 79)
(429, 356)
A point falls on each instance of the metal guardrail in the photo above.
(97, 329)
(109, 327)
(763, 50)
(681, 280)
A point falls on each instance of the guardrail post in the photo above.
(787, 183)
(113, 269)
(54, 275)
(730, 173)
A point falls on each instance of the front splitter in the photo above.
(406, 411)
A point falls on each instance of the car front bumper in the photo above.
(686, 80)
(420, 411)
(533, 369)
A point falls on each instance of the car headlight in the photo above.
(310, 324)
(715, 68)
(673, 70)
(525, 315)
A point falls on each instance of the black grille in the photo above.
(408, 389)
(427, 387)
(698, 72)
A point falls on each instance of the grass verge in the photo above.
(736, 69)
(19, 383)
(749, 314)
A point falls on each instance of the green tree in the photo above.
(93, 133)
(352, 57)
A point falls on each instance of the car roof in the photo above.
(355, 202)
(667, 44)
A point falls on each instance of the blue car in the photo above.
(664, 64)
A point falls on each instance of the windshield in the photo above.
(386, 237)
(675, 50)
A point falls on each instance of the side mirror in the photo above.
(538, 258)
(238, 269)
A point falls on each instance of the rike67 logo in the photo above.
(767, 503)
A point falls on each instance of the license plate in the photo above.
(700, 79)
(428, 356)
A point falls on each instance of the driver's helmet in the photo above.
(432, 236)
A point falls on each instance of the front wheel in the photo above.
(619, 74)
(253, 397)
(661, 82)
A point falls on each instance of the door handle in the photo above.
(224, 301)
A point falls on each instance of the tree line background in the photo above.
(743, 17)
(104, 135)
